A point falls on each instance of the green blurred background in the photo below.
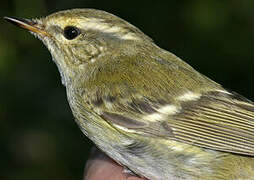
(38, 137)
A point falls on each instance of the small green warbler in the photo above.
(143, 106)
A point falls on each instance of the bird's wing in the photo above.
(218, 120)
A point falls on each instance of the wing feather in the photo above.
(219, 121)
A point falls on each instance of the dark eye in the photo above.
(71, 32)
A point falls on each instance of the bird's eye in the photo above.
(71, 32)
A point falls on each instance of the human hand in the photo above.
(101, 167)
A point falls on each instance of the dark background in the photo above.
(38, 137)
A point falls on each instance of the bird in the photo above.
(142, 105)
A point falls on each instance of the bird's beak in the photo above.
(28, 25)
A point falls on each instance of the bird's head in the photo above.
(79, 37)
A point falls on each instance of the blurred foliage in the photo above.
(38, 137)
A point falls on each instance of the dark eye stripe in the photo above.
(71, 32)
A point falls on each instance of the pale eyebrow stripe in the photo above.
(100, 25)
